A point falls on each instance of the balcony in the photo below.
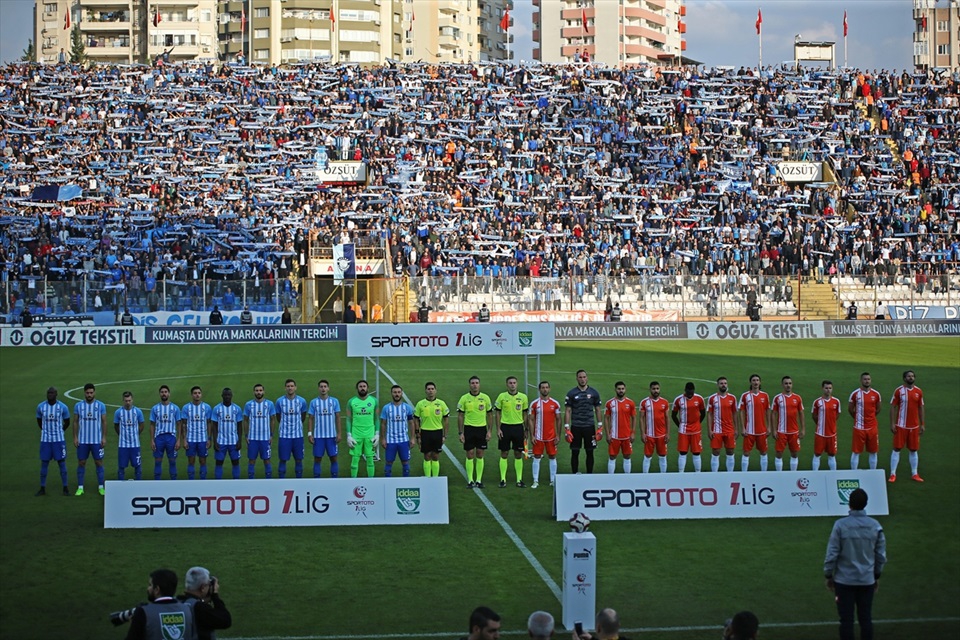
(118, 4)
(645, 14)
(448, 6)
(103, 26)
(111, 52)
(645, 32)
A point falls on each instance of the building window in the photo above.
(50, 7)
(408, 51)
(261, 12)
(943, 25)
(206, 16)
(261, 54)
(261, 33)
(943, 49)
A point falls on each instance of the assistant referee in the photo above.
(511, 407)
(582, 413)
(433, 420)
(473, 423)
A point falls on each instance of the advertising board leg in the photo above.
(579, 579)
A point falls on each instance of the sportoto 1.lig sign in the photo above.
(461, 339)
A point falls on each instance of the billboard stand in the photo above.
(579, 579)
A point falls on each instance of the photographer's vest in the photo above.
(169, 620)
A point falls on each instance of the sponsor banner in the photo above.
(800, 171)
(891, 329)
(429, 339)
(52, 320)
(621, 331)
(334, 172)
(246, 333)
(294, 502)
(70, 336)
(924, 312)
(175, 318)
(363, 266)
(754, 330)
(553, 316)
(751, 494)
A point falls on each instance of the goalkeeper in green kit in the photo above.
(362, 429)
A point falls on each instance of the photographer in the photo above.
(154, 619)
(202, 594)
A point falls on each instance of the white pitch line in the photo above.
(539, 568)
(711, 627)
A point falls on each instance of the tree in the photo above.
(78, 51)
(30, 53)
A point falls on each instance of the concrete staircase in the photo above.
(816, 301)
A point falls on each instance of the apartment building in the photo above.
(936, 36)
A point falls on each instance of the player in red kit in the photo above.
(907, 423)
(542, 421)
(688, 413)
(653, 428)
(619, 421)
(864, 406)
(826, 410)
(788, 417)
(723, 416)
(754, 418)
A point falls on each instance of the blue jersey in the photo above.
(324, 414)
(397, 418)
(290, 414)
(259, 415)
(226, 419)
(51, 417)
(129, 421)
(196, 416)
(90, 420)
(165, 418)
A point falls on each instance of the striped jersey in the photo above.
(546, 417)
(259, 416)
(90, 420)
(755, 407)
(324, 413)
(787, 409)
(51, 417)
(866, 405)
(195, 417)
(690, 412)
(129, 422)
(723, 412)
(226, 419)
(655, 413)
(622, 414)
(431, 414)
(290, 413)
(825, 414)
(397, 417)
(908, 402)
(165, 418)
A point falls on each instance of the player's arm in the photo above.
(412, 426)
(209, 432)
(921, 416)
(153, 432)
(116, 425)
(246, 427)
(852, 408)
(803, 425)
(446, 424)
(383, 432)
(768, 422)
(497, 421)
(666, 430)
(567, 415)
(643, 425)
(339, 422)
(675, 415)
(490, 419)
(103, 428)
(703, 414)
(212, 433)
(310, 425)
(607, 428)
(240, 424)
(460, 416)
(893, 413)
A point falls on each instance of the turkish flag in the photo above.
(505, 20)
(156, 16)
(844, 24)
(759, 21)
(583, 17)
(66, 21)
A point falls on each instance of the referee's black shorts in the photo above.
(512, 437)
(474, 438)
(431, 440)
(583, 438)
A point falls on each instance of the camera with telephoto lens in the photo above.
(117, 618)
(212, 585)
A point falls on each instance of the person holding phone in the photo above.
(607, 628)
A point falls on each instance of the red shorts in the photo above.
(749, 441)
(723, 440)
(866, 438)
(909, 438)
(784, 440)
(690, 442)
(824, 443)
(540, 445)
(658, 444)
(616, 447)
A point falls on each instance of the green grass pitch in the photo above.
(62, 572)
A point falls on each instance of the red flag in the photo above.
(844, 24)
(333, 18)
(505, 20)
(243, 20)
(923, 23)
(759, 21)
(583, 17)
(156, 16)
(66, 21)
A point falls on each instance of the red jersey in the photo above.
(788, 409)
(622, 414)
(908, 402)
(545, 415)
(690, 412)
(755, 407)
(655, 413)
(866, 406)
(825, 413)
(723, 411)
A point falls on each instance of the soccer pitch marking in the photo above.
(561, 633)
(539, 568)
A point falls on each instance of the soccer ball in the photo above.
(579, 522)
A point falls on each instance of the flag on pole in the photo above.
(156, 16)
(505, 20)
(759, 21)
(344, 263)
(333, 18)
(844, 24)
(243, 19)
(66, 20)
(923, 23)
(583, 17)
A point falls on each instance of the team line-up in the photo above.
(520, 425)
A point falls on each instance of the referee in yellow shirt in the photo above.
(511, 407)
(433, 419)
(473, 423)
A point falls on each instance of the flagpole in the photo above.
(249, 31)
(760, 29)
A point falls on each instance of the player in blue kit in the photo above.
(53, 418)
(89, 435)
(226, 431)
(195, 432)
(164, 422)
(324, 429)
(291, 410)
(396, 431)
(258, 419)
(128, 423)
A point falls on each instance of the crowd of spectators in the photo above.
(201, 174)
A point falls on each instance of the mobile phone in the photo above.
(578, 627)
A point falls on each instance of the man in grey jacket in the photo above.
(855, 557)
